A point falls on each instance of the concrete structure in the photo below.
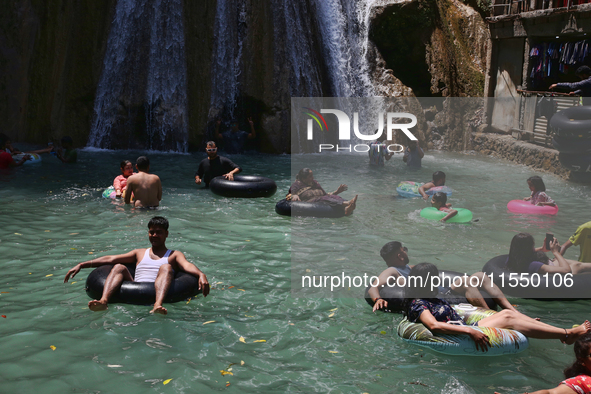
(516, 28)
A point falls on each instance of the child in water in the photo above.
(439, 201)
(120, 182)
(538, 192)
(438, 180)
(67, 153)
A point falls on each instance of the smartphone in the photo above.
(549, 238)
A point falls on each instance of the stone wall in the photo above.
(520, 152)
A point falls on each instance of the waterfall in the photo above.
(343, 28)
(320, 47)
(229, 33)
(141, 98)
(342, 35)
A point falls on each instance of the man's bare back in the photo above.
(146, 189)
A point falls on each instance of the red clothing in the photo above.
(120, 183)
(579, 384)
(5, 159)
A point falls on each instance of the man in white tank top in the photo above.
(156, 264)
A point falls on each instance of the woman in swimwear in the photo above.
(578, 375)
(424, 306)
(306, 189)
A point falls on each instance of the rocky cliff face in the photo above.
(436, 48)
(51, 56)
(50, 62)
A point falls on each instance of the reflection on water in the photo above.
(53, 216)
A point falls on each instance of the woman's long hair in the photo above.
(537, 183)
(582, 349)
(521, 253)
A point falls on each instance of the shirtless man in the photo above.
(156, 264)
(146, 188)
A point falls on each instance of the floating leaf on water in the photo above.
(207, 322)
(218, 283)
(224, 373)
(231, 287)
(73, 249)
(332, 310)
(166, 381)
(114, 365)
(332, 351)
(331, 315)
(18, 233)
(308, 270)
(228, 384)
(383, 332)
(247, 240)
(241, 290)
(229, 369)
(4, 292)
(47, 231)
(52, 347)
(74, 282)
(291, 324)
(241, 362)
(90, 252)
(47, 276)
(260, 340)
(30, 273)
(74, 233)
(4, 316)
(242, 340)
(188, 300)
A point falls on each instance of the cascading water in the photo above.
(230, 31)
(141, 98)
(343, 28)
(166, 93)
(320, 49)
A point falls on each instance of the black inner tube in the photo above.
(244, 186)
(395, 296)
(183, 286)
(572, 121)
(553, 287)
(310, 209)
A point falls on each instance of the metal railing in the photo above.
(513, 7)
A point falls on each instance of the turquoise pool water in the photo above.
(53, 217)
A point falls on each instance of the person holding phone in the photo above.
(525, 257)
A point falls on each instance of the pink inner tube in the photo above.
(520, 206)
